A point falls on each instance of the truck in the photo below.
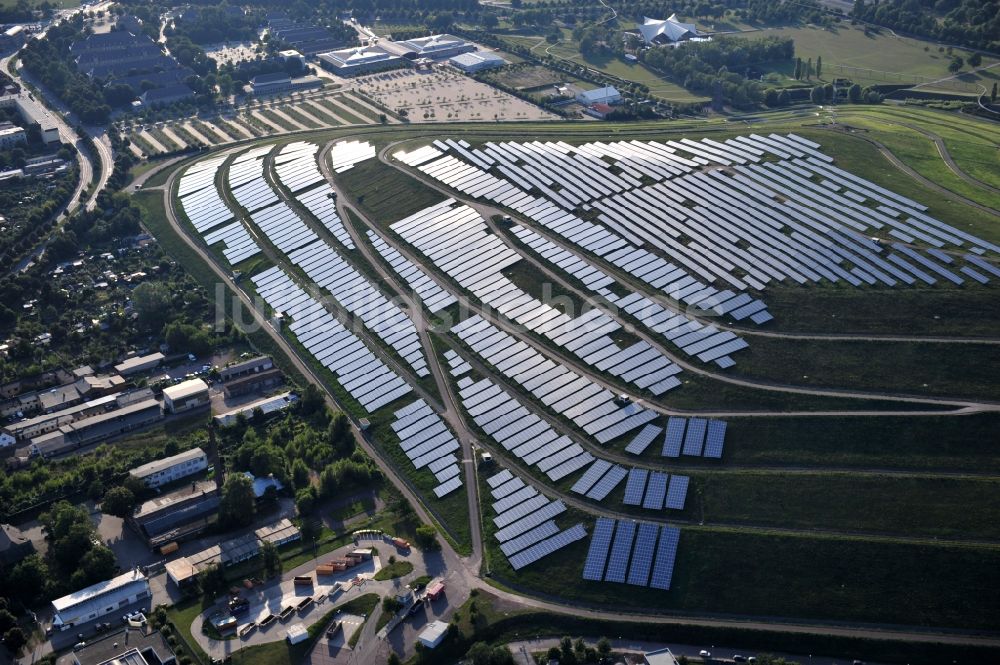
(325, 569)
(435, 590)
(286, 612)
(401, 544)
(238, 605)
(304, 603)
(169, 548)
(332, 631)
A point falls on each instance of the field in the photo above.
(884, 54)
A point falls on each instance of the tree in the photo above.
(819, 66)
(7, 620)
(238, 504)
(271, 559)
(993, 95)
(426, 537)
(393, 659)
(784, 99)
(816, 95)
(118, 501)
(975, 59)
(490, 21)
(300, 474)
(151, 301)
(956, 64)
(809, 69)
(771, 97)
(854, 93)
(14, 639)
(798, 69)
(391, 605)
(566, 654)
(212, 580)
(604, 647)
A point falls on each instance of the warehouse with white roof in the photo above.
(99, 599)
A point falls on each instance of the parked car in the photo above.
(705, 654)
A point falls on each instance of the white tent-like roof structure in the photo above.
(671, 30)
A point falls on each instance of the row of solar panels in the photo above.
(524, 518)
(345, 154)
(359, 371)
(640, 554)
(519, 430)
(457, 365)
(456, 240)
(577, 398)
(429, 443)
(595, 238)
(434, 297)
(296, 168)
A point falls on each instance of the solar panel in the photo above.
(591, 476)
(448, 486)
(716, 437)
(517, 498)
(620, 550)
(655, 491)
(642, 440)
(530, 522)
(500, 478)
(635, 487)
(642, 554)
(695, 436)
(521, 510)
(674, 437)
(543, 530)
(610, 481)
(548, 546)
(677, 492)
(666, 555)
(597, 555)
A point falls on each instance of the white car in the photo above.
(705, 654)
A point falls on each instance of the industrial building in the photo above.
(245, 367)
(169, 94)
(183, 570)
(137, 364)
(360, 60)
(279, 82)
(252, 383)
(279, 533)
(167, 470)
(33, 113)
(477, 61)
(183, 513)
(607, 95)
(97, 428)
(185, 396)
(11, 135)
(435, 47)
(99, 599)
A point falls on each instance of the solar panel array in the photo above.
(521, 432)
(246, 180)
(283, 227)
(345, 154)
(456, 363)
(638, 445)
(694, 437)
(589, 406)
(296, 168)
(525, 519)
(432, 294)
(428, 442)
(622, 551)
(205, 209)
(357, 295)
(793, 216)
(676, 327)
(455, 239)
(359, 371)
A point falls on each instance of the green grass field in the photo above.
(385, 194)
(849, 46)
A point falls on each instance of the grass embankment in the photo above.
(926, 368)
(384, 193)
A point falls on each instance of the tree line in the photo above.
(974, 23)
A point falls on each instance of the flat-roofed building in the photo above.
(99, 599)
(279, 533)
(360, 60)
(185, 396)
(97, 427)
(253, 383)
(182, 513)
(477, 61)
(245, 367)
(138, 364)
(606, 95)
(11, 136)
(164, 471)
(14, 545)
